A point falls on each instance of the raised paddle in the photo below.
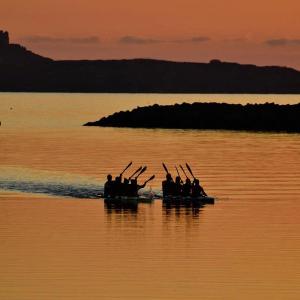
(178, 173)
(165, 167)
(183, 171)
(151, 178)
(138, 170)
(141, 172)
(190, 170)
(126, 168)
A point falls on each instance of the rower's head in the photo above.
(133, 181)
(126, 181)
(118, 179)
(169, 177)
(197, 182)
(109, 177)
(188, 181)
(177, 180)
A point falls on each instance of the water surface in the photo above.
(58, 241)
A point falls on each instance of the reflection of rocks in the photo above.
(253, 117)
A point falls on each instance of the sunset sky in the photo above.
(257, 31)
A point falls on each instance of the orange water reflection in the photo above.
(246, 246)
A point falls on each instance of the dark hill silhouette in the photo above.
(22, 70)
(252, 117)
(14, 55)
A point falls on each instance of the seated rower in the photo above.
(168, 186)
(108, 186)
(187, 188)
(134, 188)
(197, 189)
(177, 186)
(125, 190)
(117, 187)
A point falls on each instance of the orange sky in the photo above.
(257, 31)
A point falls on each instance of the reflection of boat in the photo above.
(128, 200)
(121, 205)
(186, 200)
(121, 201)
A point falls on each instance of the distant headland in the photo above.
(251, 117)
(15, 56)
(24, 71)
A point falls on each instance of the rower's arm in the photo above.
(141, 186)
(203, 192)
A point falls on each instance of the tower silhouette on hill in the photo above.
(4, 38)
(12, 54)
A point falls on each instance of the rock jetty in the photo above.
(250, 117)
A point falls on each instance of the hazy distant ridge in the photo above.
(22, 70)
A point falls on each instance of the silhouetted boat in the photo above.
(182, 199)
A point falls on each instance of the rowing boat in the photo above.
(188, 199)
(148, 199)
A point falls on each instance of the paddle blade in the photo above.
(165, 167)
(141, 172)
(128, 165)
(151, 178)
(126, 168)
(183, 171)
(190, 170)
(138, 170)
(178, 173)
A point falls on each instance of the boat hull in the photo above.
(180, 199)
(124, 199)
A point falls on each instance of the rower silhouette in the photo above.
(108, 186)
(135, 187)
(187, 188)
(168, 186)
(197, 189)
(128, 188)
(125, 187)
(177, 186)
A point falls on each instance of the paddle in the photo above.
(165, 167)
(138, 170)
(190, 170)
(183, 171)
(126, 168)
(178, 173)
(141, 172)
(151, 178)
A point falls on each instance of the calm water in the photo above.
(59, 242)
